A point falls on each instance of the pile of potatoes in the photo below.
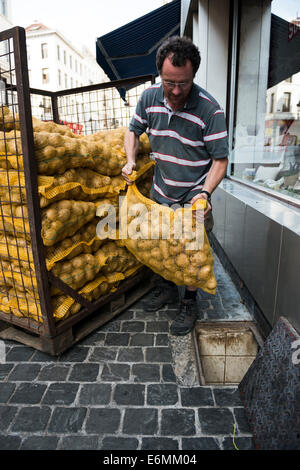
(77, 177)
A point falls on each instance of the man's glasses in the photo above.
(182, 85)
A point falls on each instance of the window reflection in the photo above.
(266, 145)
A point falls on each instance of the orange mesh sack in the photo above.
(170, 241)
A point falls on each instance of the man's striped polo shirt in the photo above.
(183, 142)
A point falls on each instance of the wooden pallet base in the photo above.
(70, 335)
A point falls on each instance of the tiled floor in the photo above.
(129, 385)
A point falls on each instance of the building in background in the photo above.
(55, 64)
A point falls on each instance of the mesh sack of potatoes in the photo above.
(13, 186)
(85, 240)
(111, 155)
(50, 126)
(56, 153)
(64, 306)
(118, 258)
(8, 120)
(14, 219)
(78, 270)
(171, 242)
(14, 275)
(15, 247)
(4, 300)
(78, 184)
(63, 218)
(20, 303)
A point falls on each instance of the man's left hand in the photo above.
(200, 214)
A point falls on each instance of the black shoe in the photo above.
(186, 318)
(161, 295)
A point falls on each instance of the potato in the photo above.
(211, 283)
(175, 249)
(205, 272)
(199, 258)
(169, 264)
(52, 214)
(156, 254)
(178, 277)
(182, 260)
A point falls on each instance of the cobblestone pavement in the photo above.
(123, 387)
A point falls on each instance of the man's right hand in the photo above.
(127, 170)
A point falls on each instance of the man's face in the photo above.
(177, 82)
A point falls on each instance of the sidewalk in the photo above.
(129, 385)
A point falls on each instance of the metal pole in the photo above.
(30, 170)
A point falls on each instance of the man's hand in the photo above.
(200, 215)
(127, 170)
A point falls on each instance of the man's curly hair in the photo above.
(181, 49)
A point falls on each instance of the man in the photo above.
(188, 137)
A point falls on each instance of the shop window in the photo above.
(265, 147)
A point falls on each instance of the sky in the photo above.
(81, 21)
(286, 9)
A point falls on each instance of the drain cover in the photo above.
(225, 351)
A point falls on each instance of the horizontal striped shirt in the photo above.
(183, 142)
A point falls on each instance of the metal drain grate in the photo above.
(225, 351)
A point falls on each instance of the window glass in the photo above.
(44, 50)
(45, 76)
(266, 135)
(3, 7)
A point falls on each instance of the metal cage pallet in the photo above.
(85, 110)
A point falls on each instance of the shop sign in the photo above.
(293, 30)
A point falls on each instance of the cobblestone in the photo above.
(119, 389)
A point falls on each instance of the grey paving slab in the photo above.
(121, 388)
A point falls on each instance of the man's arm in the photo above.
(214, 177)
(131, 145)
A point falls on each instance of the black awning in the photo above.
(130, 51)
(284, 58)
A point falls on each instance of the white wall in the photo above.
(88, 71)
(253, 74)
(185, 5)
(210, 33)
